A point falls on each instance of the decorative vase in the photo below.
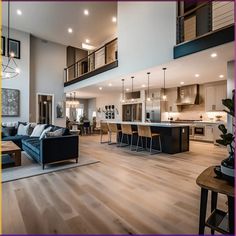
(227, 168)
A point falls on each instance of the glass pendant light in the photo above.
(132, 88)
(123, 90)
(164, 97)
(148, 91)
(10, 68)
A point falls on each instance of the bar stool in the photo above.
(126, 129)
(144, 131)
(113, 129)
(103, 130)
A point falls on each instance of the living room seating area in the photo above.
(44, 143)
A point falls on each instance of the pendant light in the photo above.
(10, 68)
(132, 77)
(148, 91)
(123, 90)
(164, 97)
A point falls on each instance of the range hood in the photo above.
(188, 95)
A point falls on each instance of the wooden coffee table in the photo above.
(10, 148)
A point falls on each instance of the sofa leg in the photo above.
(43, 166)
(76, 160)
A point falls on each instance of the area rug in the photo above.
(31, 168)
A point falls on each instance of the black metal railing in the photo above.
(99, 58)
(205, 18)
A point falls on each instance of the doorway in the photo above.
(45, 108)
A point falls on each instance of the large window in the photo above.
(75, 113)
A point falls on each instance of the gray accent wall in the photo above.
(47, 61)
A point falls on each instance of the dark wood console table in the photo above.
(208, 182)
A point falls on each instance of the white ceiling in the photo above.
(51, 20)
(179, 70)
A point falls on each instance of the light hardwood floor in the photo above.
(126, 193)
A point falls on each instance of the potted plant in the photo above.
(227, 139)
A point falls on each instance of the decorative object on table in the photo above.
(3, 45)
(9, 65)
(13, 46)
(60, 110)
(227, 139)
(10, 102)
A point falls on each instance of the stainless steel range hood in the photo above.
(188, 95)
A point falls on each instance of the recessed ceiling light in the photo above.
(70, 30)
(19, 12)
(109, 84)
(182, 83)
(221, 76)
(213, 55)
(143, 85)
(86, 12)
(197, 75)
(87, 40)
(127, 89)
(114, 19)
(100, 88)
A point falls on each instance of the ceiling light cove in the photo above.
(114, 19)
(87, 40)
(197, 75)
(221, 76)
(86, 12)
(70, 30)
(213, 55)
(18, 12)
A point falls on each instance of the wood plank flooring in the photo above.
(126, 193)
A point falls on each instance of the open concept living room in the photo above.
(117, 117)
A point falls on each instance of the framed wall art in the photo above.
(3, 46)
(13, 46)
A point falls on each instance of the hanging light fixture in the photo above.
(164, 97)
(123, 90)
(132, 78)
(10, 69)
(73, 103)
(148, 91)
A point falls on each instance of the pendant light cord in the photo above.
(148, 85)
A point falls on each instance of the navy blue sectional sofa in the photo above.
(50, 149)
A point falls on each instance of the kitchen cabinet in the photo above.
(213, 97)
(209, 133)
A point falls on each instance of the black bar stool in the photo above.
(144, 131)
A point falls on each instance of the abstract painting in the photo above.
(10, 102)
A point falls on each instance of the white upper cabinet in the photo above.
(213, 97)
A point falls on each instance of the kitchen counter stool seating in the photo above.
(144, 131)
(103, 130)
(126, 130)
(113, 129)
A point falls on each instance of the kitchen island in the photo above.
(174, 137)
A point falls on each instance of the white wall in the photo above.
(48, 60)
(22, 81)
(146, 37)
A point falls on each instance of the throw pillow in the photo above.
(31, 128)
(44, 133)
(38, 130)
(56, 133)
(23, 129)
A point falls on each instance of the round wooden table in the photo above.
(208, 181)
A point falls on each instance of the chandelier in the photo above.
(73, 102)
(9, 66)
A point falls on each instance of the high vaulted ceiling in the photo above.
(51, 20)
(180, 70)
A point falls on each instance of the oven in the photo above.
(199, 130)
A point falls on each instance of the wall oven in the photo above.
(199, 130)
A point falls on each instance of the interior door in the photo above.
(45, 109)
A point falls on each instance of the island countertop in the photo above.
(150, 124)
(174, 137)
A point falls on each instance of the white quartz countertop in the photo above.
(150, 124)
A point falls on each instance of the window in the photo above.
(79, 113)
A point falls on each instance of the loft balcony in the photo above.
(203, 25)
(103, 59)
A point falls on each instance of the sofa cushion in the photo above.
(23, 129)
(33, 144)
(17, 139)
(38, 130)
(44, 133)
(8, 131)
